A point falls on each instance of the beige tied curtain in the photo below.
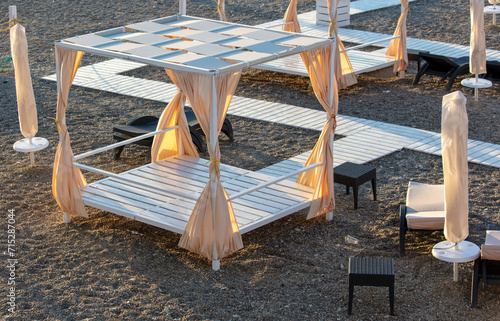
(66, 179)
(319, 66)
(397, 47)
(454, 134)
(222, 11)
(345, 73)
(206, 227)
(26, 106)
(477, 63)
(177, 141)
(291, 21)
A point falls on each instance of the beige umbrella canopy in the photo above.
(26, 105)
(454, 133)
(477, 63)
(477, 38)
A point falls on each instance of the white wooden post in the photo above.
(66, 216)
(182, 7)
(213, 184)
(329, 215)
(222, 9)
(402, 73)
(12, 15)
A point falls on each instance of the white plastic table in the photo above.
(32, 145)
(476, 83)
(492, 10)
(462, 252)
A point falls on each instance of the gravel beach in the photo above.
(111, 268)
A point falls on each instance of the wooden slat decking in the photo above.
(190, 175)
(363, 62)
(358, 131)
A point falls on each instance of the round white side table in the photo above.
(476, 83)
(32, 145)
(462, 252)
(492, 10)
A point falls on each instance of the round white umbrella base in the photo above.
(462, 252)
(32, 145)
(476, 83)
(492, 10)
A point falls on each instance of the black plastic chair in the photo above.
(146, 124)
(493, 71)
(488, 270)
(443, 67)
(414, 55)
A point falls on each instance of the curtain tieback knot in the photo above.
(56, 121)
(216, 163)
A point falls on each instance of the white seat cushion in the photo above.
(490, 250)
(429, 220)
(425, 206)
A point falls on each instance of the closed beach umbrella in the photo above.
(477, 38)
(26, 105)
(454, 133)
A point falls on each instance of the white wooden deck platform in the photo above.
(365, 140)
(190, 175)
(360, 6)
(363, 61)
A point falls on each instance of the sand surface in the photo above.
(111, 268)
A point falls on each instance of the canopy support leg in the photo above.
(213, 183)
(182, 7)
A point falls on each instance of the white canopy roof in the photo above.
(193, 44)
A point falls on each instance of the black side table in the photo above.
(364, 271)
(354, 175)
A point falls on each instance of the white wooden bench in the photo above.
(344, 18)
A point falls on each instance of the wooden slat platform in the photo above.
(357, 130)
(361, 61)
(190, 175)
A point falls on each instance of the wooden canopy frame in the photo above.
(197, 46)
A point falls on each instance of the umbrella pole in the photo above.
(476, 91)
(455, 266)
(32, 154)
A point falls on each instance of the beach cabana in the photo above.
(209, 203)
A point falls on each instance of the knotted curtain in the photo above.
(177, 141)
(319, 66)
(397, 47)
(66, 179)
(211, 226)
